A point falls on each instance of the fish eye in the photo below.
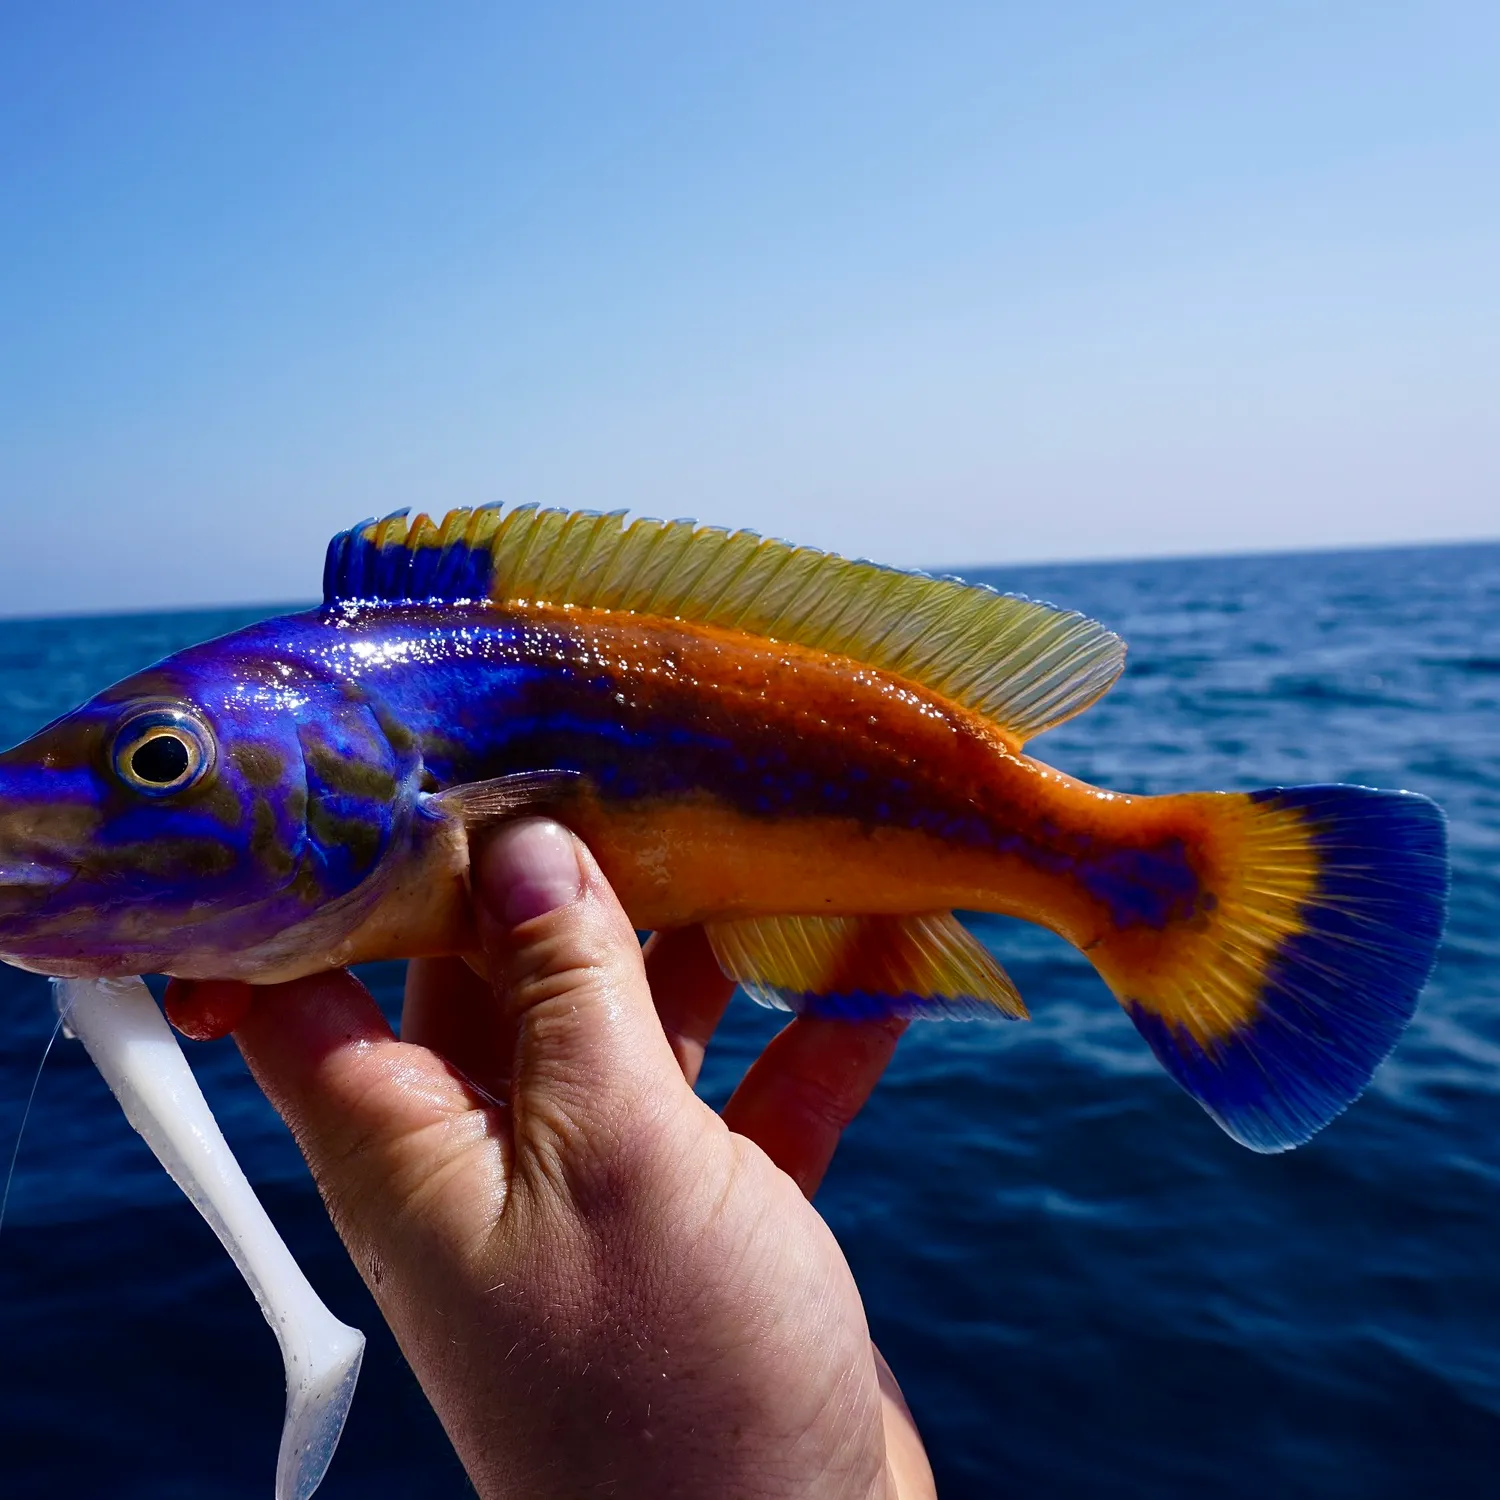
(163, 750)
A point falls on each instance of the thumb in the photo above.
(591, 1064)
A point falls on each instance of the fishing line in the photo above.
(15, 1155)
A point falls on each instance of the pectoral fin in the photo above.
(478, 803)
(858, 968)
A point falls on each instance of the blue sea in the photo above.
(1084, 1286)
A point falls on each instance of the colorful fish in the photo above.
(817, 759)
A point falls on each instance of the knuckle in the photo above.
(822, 1103)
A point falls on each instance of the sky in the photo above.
(937, 284)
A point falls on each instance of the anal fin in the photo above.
(862, 968)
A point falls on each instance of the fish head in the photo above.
(192, 813)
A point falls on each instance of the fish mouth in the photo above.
(31, 876)
(39, 935)
(25, 886)
(61, 966)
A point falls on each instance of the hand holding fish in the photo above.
(600, 1278)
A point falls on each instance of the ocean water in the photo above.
(1085, 1288)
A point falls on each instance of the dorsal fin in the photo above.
(1024, 665)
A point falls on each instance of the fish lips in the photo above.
(28, 917)
(25, 883)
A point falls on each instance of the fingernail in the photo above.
(529, 868)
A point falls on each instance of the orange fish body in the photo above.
(666, 856)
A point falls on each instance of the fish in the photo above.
(820, 760)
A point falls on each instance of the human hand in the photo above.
(603, 1286)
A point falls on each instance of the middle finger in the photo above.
(690, 992)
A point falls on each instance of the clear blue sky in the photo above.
(939, 284)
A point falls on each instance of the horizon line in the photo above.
(287, 606)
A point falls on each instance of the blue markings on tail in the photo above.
(1336, 996)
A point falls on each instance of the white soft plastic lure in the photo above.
(133, 1047)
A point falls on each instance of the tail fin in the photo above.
(1274, 1004)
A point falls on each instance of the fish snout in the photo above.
(34, 871)
(38, 848)
(26, 883)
